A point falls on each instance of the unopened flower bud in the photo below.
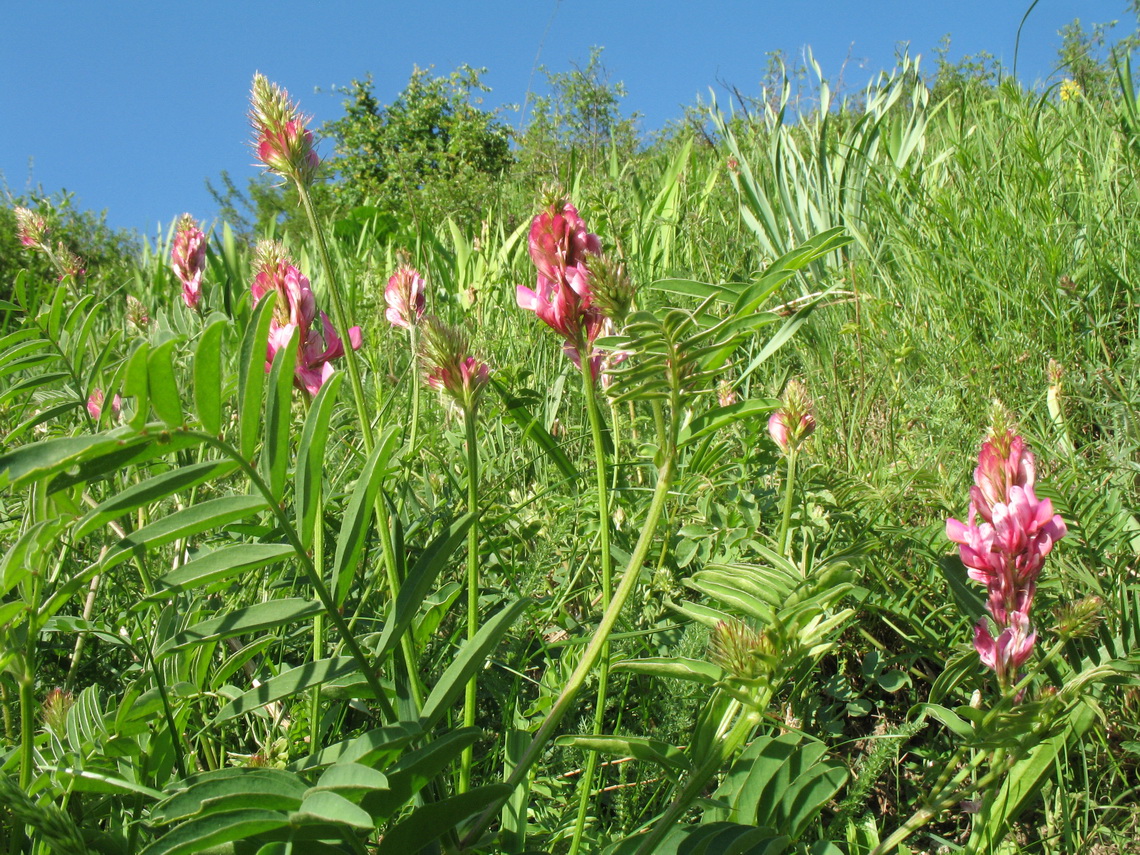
(30, 227)
(793, 422)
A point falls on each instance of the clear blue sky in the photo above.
(132, 106)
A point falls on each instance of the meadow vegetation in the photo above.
(768, 487)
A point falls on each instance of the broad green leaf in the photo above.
(322, 806)
(275, 453)
(376, 748)
(154, 441)
(288, 683)
(195, 519)
(152, 490)
(221, 565)
(352, 780)
(214, 829)
(28, 463)
(669, 757)
(469, 659)
(251, 619)
(231, 789)
(954, 722)
(431, 821)
(678, 668)
(721, 417)
(208, 376)
(358, 515)
(311, 458)
(251, 375)
(419, 581)
(163, 384)
(415, 769)
(136, 382)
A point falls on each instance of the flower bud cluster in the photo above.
(405, 297)
(793, 422)
(450, 367)
(1003, 544)
(282, 140)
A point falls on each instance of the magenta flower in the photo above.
(405, 297)
(296, 312)
(561, 249)
(558, 240)
(1007, 549)
(188, 257)
(282, 141)
(95, 405)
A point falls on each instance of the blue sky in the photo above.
(132, 106)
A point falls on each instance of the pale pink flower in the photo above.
(558, 239)
(405, 297)
(95, 405)
(188, 257)
(30, 228)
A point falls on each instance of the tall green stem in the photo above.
(383, 523)
(586, 784)
(413, 338)
(783, 540)
(472, 588)
(593, 652)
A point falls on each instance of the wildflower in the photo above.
(188, 257)
(31, 228)
(95, 405)
(295, 312)
(1006, 550)
(558, 240)
(1070, 90)
(793, 422)
(725, 394)
(563, 297)
(405, 297)
(282, 141)
(450, 367)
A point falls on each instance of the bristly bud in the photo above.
(30, 228)
(445, 354)
(1080, 618)
(188, 257)
(1002, 428)
(793, 422)
(136, 313)
(725, 394)
(282, 141)
(612, 290)
(69, 264)
(740, 650)
(54, 710)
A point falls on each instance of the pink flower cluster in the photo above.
(1006, 549)
(95, 405)
(561, 247)
(188, 257)
(296, 311)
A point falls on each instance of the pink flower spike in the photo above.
(188, 257)
(405, 297)
(30, 228)
(282, 142)
(558, 239)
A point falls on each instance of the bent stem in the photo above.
(587, 781)
(472, 588)
(593, 652)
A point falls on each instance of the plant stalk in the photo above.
(472, 588)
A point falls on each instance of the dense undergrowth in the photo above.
(445, 592)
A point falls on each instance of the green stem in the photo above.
(783, 539)
(472, 588)
(565, 700)
(586, 783)
(342, 321)
(414, 427)
(318, 625)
